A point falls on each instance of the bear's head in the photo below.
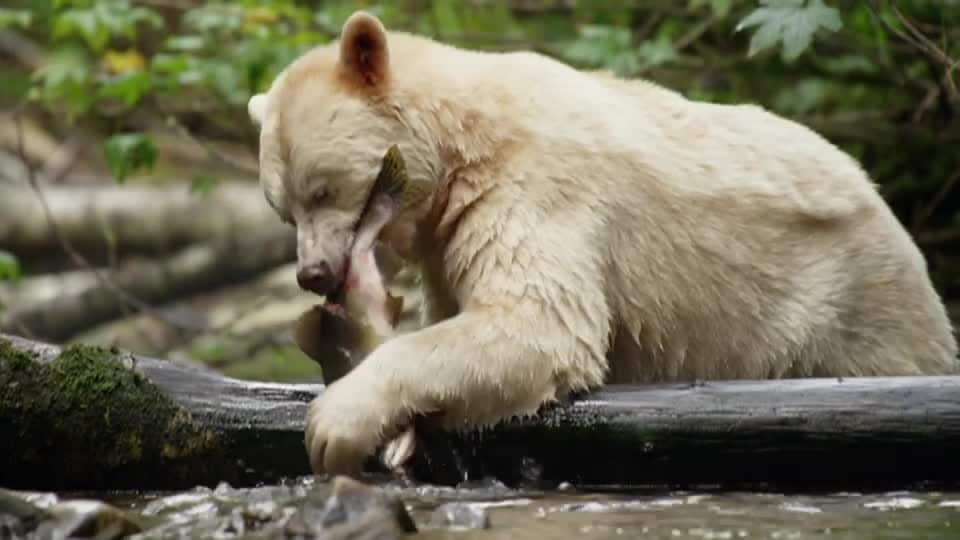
(325, 125)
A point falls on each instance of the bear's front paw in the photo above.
(344, 425)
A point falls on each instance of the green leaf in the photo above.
(64, 81)
(600, 45)
(800, 98)
(659, 51)
(186, 43)
(122, 19)
(66, 64)
(203, 184)
(214, 19)
(790, 22)
(849, 63)
(9, 266)
(128, 153)
(15, 17)
(83, 23)
(129, 88)
(102, 21)
(721, 8)
(169, 64)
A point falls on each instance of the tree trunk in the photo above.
(851, 434)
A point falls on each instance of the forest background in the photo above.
(129, 208)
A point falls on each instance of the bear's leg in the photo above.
(474, 369)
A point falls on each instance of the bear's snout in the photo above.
(317, 278)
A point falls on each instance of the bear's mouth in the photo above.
(335, 309)
(337, 297)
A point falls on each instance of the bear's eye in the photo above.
(321, 196)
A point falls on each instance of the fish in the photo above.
(393, 181)
(362, 314)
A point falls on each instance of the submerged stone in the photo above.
(20, 518)
(346, 509)
(460, 516)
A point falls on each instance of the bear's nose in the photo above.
(316, 278)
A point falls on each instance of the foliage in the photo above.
(9, 266)
(852, 70)
(111, 58)
(129, 152)
(792, 22)
(15, 18)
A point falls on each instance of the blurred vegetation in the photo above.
(878, 78)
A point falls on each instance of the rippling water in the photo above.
(205, 513)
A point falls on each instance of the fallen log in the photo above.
(193, 269)
(863, 433)
(117, 220)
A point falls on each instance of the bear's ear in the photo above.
(363, 49)
(256, 108)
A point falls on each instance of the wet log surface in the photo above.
(811, 434)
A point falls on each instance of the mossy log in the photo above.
(81, 419)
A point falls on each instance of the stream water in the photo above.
(492, 511)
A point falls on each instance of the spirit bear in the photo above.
(593, 230)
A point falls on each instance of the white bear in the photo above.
(594, 230)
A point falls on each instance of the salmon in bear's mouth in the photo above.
(391, 192)
(334, 303)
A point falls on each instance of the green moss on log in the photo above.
(102, 418)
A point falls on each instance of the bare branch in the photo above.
(919, 41)
(21, 49)
(924, 214)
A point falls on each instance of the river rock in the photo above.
(20, 518)
(345, 509)
(460, 516)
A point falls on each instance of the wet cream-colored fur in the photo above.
(595, 230)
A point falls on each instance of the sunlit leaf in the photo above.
(801, 98)
(129, 87)
(83, 23)
(214, 19)
(15, 17)
(793, 23)
(124, 61)
(599, 45)
(657, 52)
(169, 63)
(64, 81)
(186, 43)
(9, 266)
(66, 64)
(261, 15)
(128, 153)
(849, 63)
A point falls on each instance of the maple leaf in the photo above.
(790, 22)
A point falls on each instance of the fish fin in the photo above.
(394, 307)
